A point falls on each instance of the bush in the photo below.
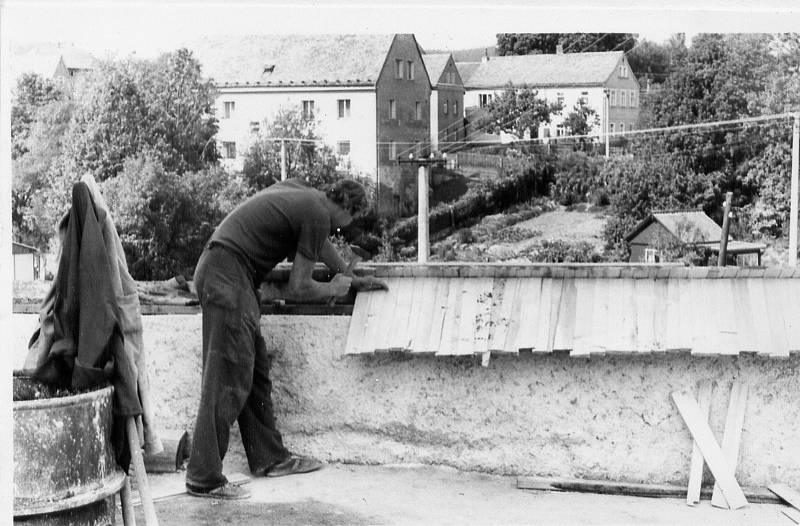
(560, 251)
(578, 179)
(164, 219)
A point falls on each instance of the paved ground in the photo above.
(424, 495)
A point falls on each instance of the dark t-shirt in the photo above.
(287, 217)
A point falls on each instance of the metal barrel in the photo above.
(64, 467)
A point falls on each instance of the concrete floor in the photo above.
(426, 495)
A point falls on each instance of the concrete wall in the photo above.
(546, 414)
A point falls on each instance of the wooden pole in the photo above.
(150, 518)
(283, 160)
(423, 248)
(794, 192)
(723, 243)
(126, 503)
(607, 107)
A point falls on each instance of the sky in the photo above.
(147, 28)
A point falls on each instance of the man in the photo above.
(287, 219)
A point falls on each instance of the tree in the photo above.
(306, 157)
(517, 110)
(533, 43)
(581, 119)
(162, 108)
(164, 218)
(651, 62)
(31, 94)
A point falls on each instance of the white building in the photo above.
(602, 79)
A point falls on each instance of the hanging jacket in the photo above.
(81, 341)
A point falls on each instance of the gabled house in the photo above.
(72, 68)
(603, 80)
(447, 100)
(369, 95)
(688, 227)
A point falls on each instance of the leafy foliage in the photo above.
(160, 108)
(165, 218)
(578, 179)
(305, 157)
(32, 93)
(581, 119)
(517, 110)
(532, 43)
(561, 251)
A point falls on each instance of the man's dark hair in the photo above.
(350, 195)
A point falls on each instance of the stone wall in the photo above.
(544, 414)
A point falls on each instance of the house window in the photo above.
(344, 108)
(392, 109)
(623, 98)
(410, 70)
(584, 98)
(484, 99)
(613, 98)
(308, 109)
(623, 71)
(455, 107)
(633, 98)
(255, 127)
(229, 107)
(611, 127)
(651, 255)
(393, 151)
(444, 107)
(622, 127)
(560, 98)
(343, 147)
(418, 110)
(630, 126)
(398, 69)
(229, 149)
(560, 131)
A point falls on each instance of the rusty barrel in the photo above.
(64, 467)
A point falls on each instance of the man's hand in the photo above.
(340, 284)
(364, 283)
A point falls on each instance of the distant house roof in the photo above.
(78, 59)
(293, 60)
(435, 64)
(703, 229)
(566, 69)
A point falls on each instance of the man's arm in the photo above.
(302, 288)
(330, 256)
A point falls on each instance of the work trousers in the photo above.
(235, 384)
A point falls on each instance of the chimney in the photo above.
(485, 57)
(559, 49)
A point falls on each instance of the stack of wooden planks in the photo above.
(586, 310)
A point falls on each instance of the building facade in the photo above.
(602, 80)
(447, 101)
(369, 96)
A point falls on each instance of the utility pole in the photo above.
(283, 160)
(794, 192)
(723, 243)
(607, 108)
(423, 184)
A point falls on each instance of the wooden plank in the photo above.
(728, 338)
(358, 320)
(786, 493)
(506, 299)
(732, 435)
(565, 328)
(599, 335)
(720, 468)
(483, 316)
(381, 307)
(696, 466)
(645, 315)
(452, 318)
(763, 337)
(439, 314)
(630, 315)
(557, 295)
(743, 316)
(420, 323)
(660, 314)
(584, 302)
(618, 324)
(525, 330)
(475, 301)
(673, 333)
(791, 291)
(792, 514)
(776, 314)
(703, 304)
(540, 343)
(753, 494)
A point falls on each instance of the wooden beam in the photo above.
(787, 494)
(721, 469)
(696, 467)
(792, 514)
(732, 435)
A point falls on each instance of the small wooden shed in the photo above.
(690, 227)
(27, 262)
